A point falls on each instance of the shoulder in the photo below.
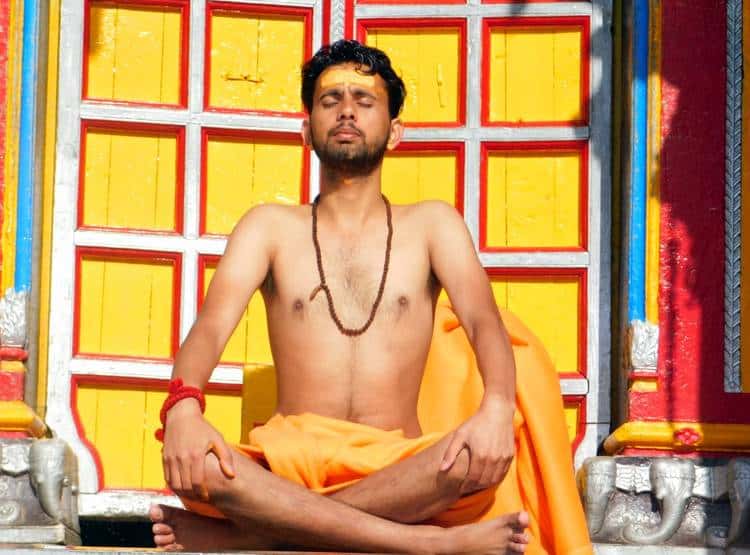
(270, 216)
(429, 214)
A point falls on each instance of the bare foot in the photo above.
(505, 534)
(179, 530)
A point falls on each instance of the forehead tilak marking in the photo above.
(341, 76)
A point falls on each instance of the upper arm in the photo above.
(455, 263)
(241, 270)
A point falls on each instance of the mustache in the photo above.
(348, 127)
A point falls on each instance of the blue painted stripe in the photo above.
(27, 139)
(639, 165)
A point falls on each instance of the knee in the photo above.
(452, 480)
(218, 485)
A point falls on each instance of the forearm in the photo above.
(495, 359)
(197, 357)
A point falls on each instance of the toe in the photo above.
(517, 547)
(523, 519)
(161, 528)
(520, 537)
(163, 540)
(156, 513)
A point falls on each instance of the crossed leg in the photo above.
(265, 510)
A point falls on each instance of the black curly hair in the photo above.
(343, 51)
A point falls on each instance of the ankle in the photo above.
(433, 540)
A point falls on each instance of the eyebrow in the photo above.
(357, 92)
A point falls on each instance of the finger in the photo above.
(198, 475)
(226, 462)
(185, 478)
(454, 448)
(165, 467)
(174, 476)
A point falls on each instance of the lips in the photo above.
(346, 132)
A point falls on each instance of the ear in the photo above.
(397, 133)
(305, 132)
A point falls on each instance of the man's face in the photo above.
(349, 126)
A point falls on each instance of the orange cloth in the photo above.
(326, 454)
(541, 478)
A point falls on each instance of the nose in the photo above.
(348, 109)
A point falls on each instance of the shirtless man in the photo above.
(347, 370)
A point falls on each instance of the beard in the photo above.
(351, 159)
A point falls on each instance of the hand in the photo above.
(188, 438)
(488, 436)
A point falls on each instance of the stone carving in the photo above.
(644, 345)
(672, 483)
(13, 319)
(738, 477)
(597, 482)
(53, 475)
(667, 501)
(14, 459)
(38, 492)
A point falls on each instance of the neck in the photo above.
(349, 201)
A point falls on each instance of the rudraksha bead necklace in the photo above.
(352, 332)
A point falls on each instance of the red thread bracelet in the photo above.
(178, 392)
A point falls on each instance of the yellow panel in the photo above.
(130, 180)
(549, 307)
(255, 61)
(134, 54)
(246, 172)
(535, 75)
(126, 308)
(224, 412)
(258, 395)
(571, 421)
(420, 176)
(120, 440)
(249, 341)
(427, 59)
(533, 199)
(153, 473)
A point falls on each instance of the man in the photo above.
(350, 286)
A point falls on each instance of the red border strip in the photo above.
(122, 128)
(534, 23)
(578, 402)
(106, 254)
(538, 274)
(555, 147)
(363, 25)
(259, 10)
(436, 147)
(271, 137)
(184, 8)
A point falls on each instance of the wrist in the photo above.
(183, 407)
(498, 403)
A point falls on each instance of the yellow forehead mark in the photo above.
(340, 76)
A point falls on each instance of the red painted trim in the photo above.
(13, 353)
(553, 147)
(348, 19)
(539, 274)
(183, 6)
(101, 253)
(363, 25)
(123, 128)
(326, 22)
(270, 137)
(413, 2)
(579, 402)
(533, 23)
(260, 10)
(82, 432)
(430, 147)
